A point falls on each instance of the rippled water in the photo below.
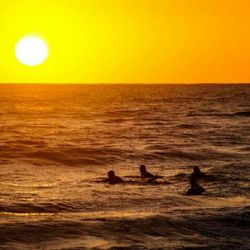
(57, 143)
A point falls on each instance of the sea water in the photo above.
(57, 143)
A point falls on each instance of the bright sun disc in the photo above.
(31, 51)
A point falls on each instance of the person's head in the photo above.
(196, 169)
(142, 168)
(111, 174)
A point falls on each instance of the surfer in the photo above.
(146, 174)
(197, 174)
(195, 189)
(113, 179)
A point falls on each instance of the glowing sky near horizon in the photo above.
(128, 41)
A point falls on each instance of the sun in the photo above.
(31, 51)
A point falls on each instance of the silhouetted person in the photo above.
(197, 174)
(113, 179)
(145, 173)
(195, 189)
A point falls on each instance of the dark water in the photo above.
(58, 142)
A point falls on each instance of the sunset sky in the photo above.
(128, 41)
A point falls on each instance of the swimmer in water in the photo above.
(197, 174)
(195, 189)
(113, 179)
(146, 174)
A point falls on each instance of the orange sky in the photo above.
(129, 41)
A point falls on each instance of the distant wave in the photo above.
(189, 126)
(33, 151)
(244, 113)
(64, 154)
(48, 208)
(192, 155)
(235, 114)
(79, 156)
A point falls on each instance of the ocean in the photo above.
(58, 142)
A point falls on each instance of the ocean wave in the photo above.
(65, 158)
(189, 126)
(39, 208)
(243, 113)
(65, 154)
(137, 231)
(225, 115)
(34, 150)
(202, 155)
